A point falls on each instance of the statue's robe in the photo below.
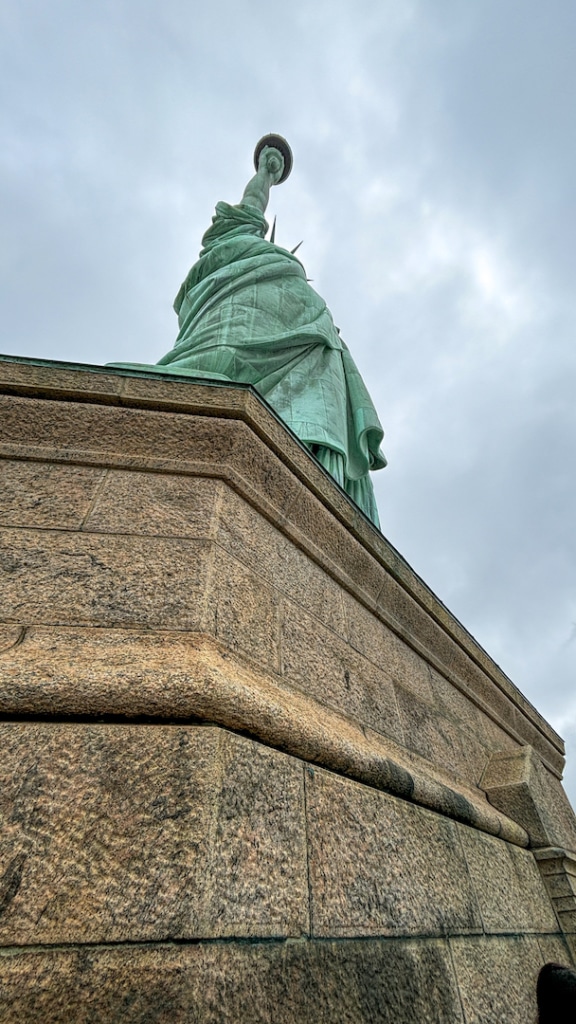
(247, 313)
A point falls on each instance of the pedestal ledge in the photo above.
(169, 677)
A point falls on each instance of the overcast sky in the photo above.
(433, 186)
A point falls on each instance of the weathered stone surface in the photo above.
(254, 541)
(120, 832)
(180, 427)
(243, 612)
(520, 786)
(497, 978)
(317, 661)
(108, 826)
(56, 379)
(154, 504)
(10, 636)
(368, 635)
(179, 675)
(166, 438)
(80, 428)
(480, 687)
(555, 949)
(558, 871)
(269, 479)
(381, 866)
(463, 666)
(336, 543)
(508, 886)
(258, 870)
(438, 738)
(273, 983)
(454, 704)
(58, 577)
(571, 943)
(533, 731)
(211, 572)
(46, 494)
(404, 982)
(445, 652)
(187, 395)
(493, 737)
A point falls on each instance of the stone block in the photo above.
(396, 600)
(367, 634)
(567, 919)
(382, 866)
(134, 438)
(184, 395)
(106, 827)
(261, 546)
(439, 739)
(258, 863)
(571, 943)
(555, 949)
(497, 978)
(56, 379)
(269, 479)
(416, 621)
(46, 495)
(116, 833)
(333, 541)
(155, 505)
(57, 577)
(401, 982)
(272, 983)
(520, 786)
(561, 886)
(243, 612)
(481, 687)
(447, 655)
(317, 661)
(493, 737)
(510, 892)
(132, 673)
(535, 735)
(455, 704)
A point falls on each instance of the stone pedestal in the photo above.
(251, 769)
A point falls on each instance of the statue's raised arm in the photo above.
(269, 172)
(273, 163)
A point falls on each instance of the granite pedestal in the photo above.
(251, 768)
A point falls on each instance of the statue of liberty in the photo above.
(247, 313)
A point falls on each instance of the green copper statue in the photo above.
(247, 313)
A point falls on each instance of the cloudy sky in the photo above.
(433, 186)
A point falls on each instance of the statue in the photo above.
(247, 313)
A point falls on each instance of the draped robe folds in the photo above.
(247, 313)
